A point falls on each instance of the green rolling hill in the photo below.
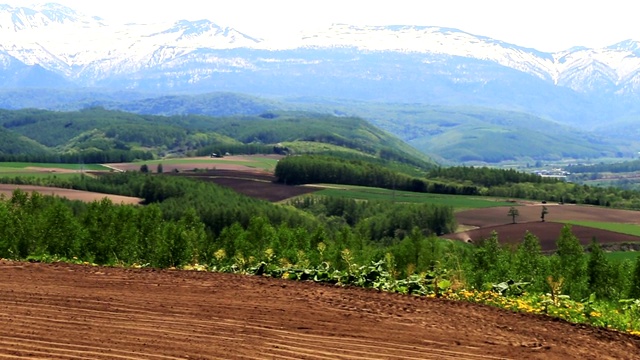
(97, 130)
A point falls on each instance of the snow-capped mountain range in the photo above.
(62, 47)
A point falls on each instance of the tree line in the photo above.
(619, 167)
(308, 169)
(382, 221)
(487, 177)
(80, 157)
(37, 226)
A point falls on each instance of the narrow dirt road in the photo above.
(62, 311)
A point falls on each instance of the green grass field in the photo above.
(38, 175)
(459, 202)
(37, 170)
(258, 162)
(620, 256)
(18, 167)
(630, 229)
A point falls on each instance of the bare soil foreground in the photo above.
(61, 311)
(7, 191)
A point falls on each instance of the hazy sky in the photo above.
(547, 25)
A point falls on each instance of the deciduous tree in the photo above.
(514, 213)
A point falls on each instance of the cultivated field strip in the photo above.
(131, 323)
(61, 350)
(147, 327)
(73, 312)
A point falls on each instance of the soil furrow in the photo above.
(153, 314)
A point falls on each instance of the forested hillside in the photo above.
(473, 134)
(455, 134)
(12, 143)
(451, 133)
(96, 135)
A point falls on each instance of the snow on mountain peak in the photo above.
(189, 30)
(16, 19)
(627, 45)
(60, 39)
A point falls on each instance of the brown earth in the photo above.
(498, 215)
(547, 233)
(246, 180)
(259, 185)
(61, 311)
(7, 191)
(484, 221)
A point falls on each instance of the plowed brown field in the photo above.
(60, 311)
(528, 213)
(485, 221)
(7, 191)
(260, 185)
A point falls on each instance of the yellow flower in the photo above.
(220, 255)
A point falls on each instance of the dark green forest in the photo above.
(461, 180)
(618, 167)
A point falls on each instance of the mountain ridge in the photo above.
(147, 45)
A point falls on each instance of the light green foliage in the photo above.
(486, 262)
(569, 263)
(600, 273)
(378, 220)
(634, 291)
(529, 263)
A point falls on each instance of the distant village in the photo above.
(553, 173)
